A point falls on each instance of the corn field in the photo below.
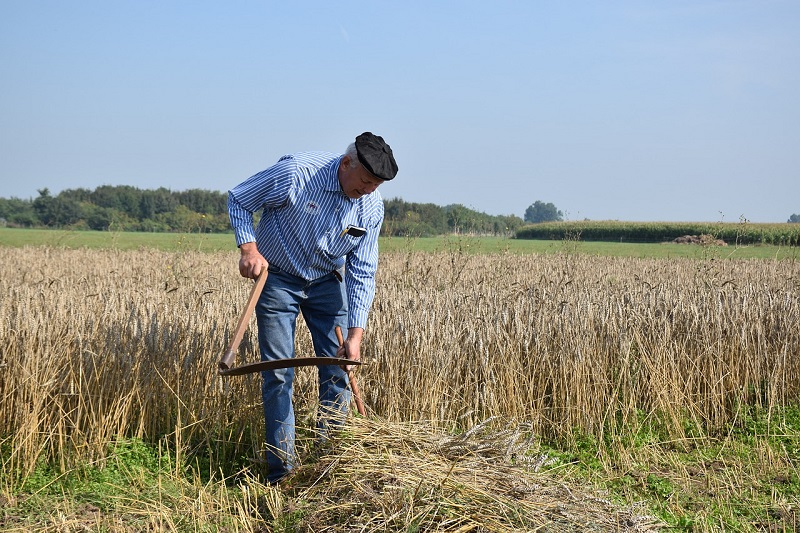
(101, 344)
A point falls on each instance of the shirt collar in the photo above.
(332, 178)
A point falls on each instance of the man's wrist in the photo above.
(355, 334)
(247, 248)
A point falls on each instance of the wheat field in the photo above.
(102, 344)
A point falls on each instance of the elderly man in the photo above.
(321, 215)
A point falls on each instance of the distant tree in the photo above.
(542, 212)
(794, 219)
(459, 218)
(203, 201)
(154, 203)
(99, 218)
(411, 219)
(507, 225)
(184, 220)
(55, 211)
(18, 212)
(123, 198)
(79, 195)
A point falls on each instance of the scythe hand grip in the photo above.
(226, 362)
(352, 377)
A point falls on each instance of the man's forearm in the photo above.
(355, 334)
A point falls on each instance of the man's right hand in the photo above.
(251, 261)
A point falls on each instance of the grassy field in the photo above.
(507, 390)
(453, 243)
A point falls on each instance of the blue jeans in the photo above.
(323, 303)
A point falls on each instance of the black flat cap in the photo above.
(376, 156)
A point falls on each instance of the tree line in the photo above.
(127, 208)
(120, 208)
(425, 220)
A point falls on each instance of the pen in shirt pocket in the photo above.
(353, 231)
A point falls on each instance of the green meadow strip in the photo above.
(462, 244)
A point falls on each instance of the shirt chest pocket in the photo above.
(338, 244)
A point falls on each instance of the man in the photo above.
(318, 236)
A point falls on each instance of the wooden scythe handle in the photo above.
(353, 383)
(230, 354)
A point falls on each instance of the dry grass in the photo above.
(385, 476)
(102, 344)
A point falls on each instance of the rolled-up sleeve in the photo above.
(362, 264)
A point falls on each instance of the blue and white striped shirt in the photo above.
(303, 214)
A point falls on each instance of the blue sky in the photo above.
(628, 110)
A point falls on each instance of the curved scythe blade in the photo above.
(250, 368)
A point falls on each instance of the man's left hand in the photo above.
(351, 348)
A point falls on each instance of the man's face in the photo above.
(356, 181)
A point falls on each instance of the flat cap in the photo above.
(376, 156)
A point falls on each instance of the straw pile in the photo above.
(385, 476)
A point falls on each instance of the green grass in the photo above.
(204, 242)
(137, 487)
(213, 242)
(742, 478)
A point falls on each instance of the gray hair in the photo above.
(353, 155)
